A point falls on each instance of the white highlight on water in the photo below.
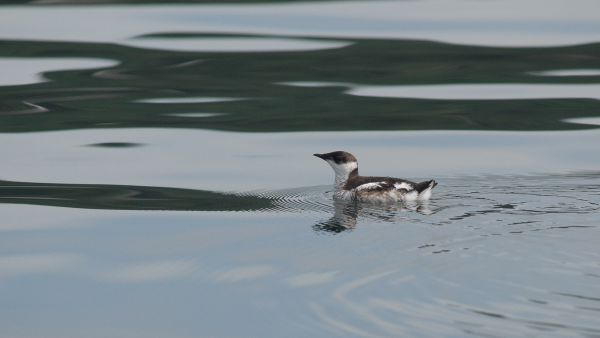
(234, 44)
(509, 91)
(176, 100)
(568, 72)
(196, 115)
(20, 71)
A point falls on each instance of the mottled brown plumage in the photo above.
(350, 185)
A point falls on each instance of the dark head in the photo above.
(343, 163)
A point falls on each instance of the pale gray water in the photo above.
(489, 255)
(157, 177)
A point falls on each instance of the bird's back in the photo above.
(391, 181)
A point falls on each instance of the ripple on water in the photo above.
(490, 256)
(509, 203)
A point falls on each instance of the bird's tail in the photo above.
(424, 189)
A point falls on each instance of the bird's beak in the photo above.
(321, 156)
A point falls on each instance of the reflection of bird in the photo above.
(351, 186)
(344, 218)
(347, 213)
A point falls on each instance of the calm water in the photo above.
(158, 179)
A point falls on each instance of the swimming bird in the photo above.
(349, 185)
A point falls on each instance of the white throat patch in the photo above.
(341, 172)
(343, 169)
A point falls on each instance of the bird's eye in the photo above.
(338, 158)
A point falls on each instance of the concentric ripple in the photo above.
(488, 256)
(505, 204)
(512, 203)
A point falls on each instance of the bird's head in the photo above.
(343, 163)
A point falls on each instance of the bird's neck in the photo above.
(342, 178)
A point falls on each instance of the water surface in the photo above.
(158, 179)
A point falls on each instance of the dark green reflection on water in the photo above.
(105, 98)
(141, 2)
(122, 197)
